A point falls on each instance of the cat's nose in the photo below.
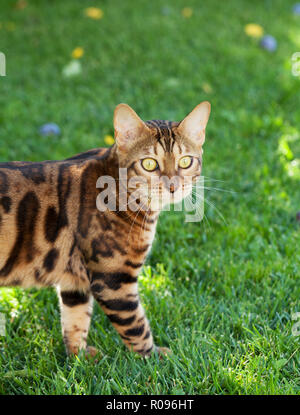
(171, 184)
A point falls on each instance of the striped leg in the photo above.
(117, 294)
(76, 312)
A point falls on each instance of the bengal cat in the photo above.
(53, 234)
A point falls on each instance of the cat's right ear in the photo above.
(193, 125)
(128, 126)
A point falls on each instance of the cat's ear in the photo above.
(193, 125)
(128, 126)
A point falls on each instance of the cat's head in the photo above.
(166, 156)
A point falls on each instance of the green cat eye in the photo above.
(185, 162)
(149, 164)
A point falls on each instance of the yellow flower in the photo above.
(77, 53)
(94, 13)
(207, 88)
(109, 140)
(254, 30)
(187, 12)
(10, 26)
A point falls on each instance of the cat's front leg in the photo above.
(76, 311)
(117, 294)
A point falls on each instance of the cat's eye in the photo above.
(149, 164)
(185, 162)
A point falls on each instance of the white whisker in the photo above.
(211, 205)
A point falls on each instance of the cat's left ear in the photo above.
(128, 126)
(193, 125)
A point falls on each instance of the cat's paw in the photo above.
(163, 351)
(91, 352)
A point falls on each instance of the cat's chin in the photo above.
(159, 205)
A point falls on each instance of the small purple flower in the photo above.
(298, 216)
(296, 9)
(50, 129)
(269, 43)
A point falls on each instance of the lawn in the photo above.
(220, 293)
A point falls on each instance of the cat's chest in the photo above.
(114, 243)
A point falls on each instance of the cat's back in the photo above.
(39, 207)
(41, 183)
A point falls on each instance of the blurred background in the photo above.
(71, 64)
(220, 292)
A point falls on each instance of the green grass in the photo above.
(219, 294)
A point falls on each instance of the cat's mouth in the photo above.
(157, 199)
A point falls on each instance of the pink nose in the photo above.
(171, 183)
